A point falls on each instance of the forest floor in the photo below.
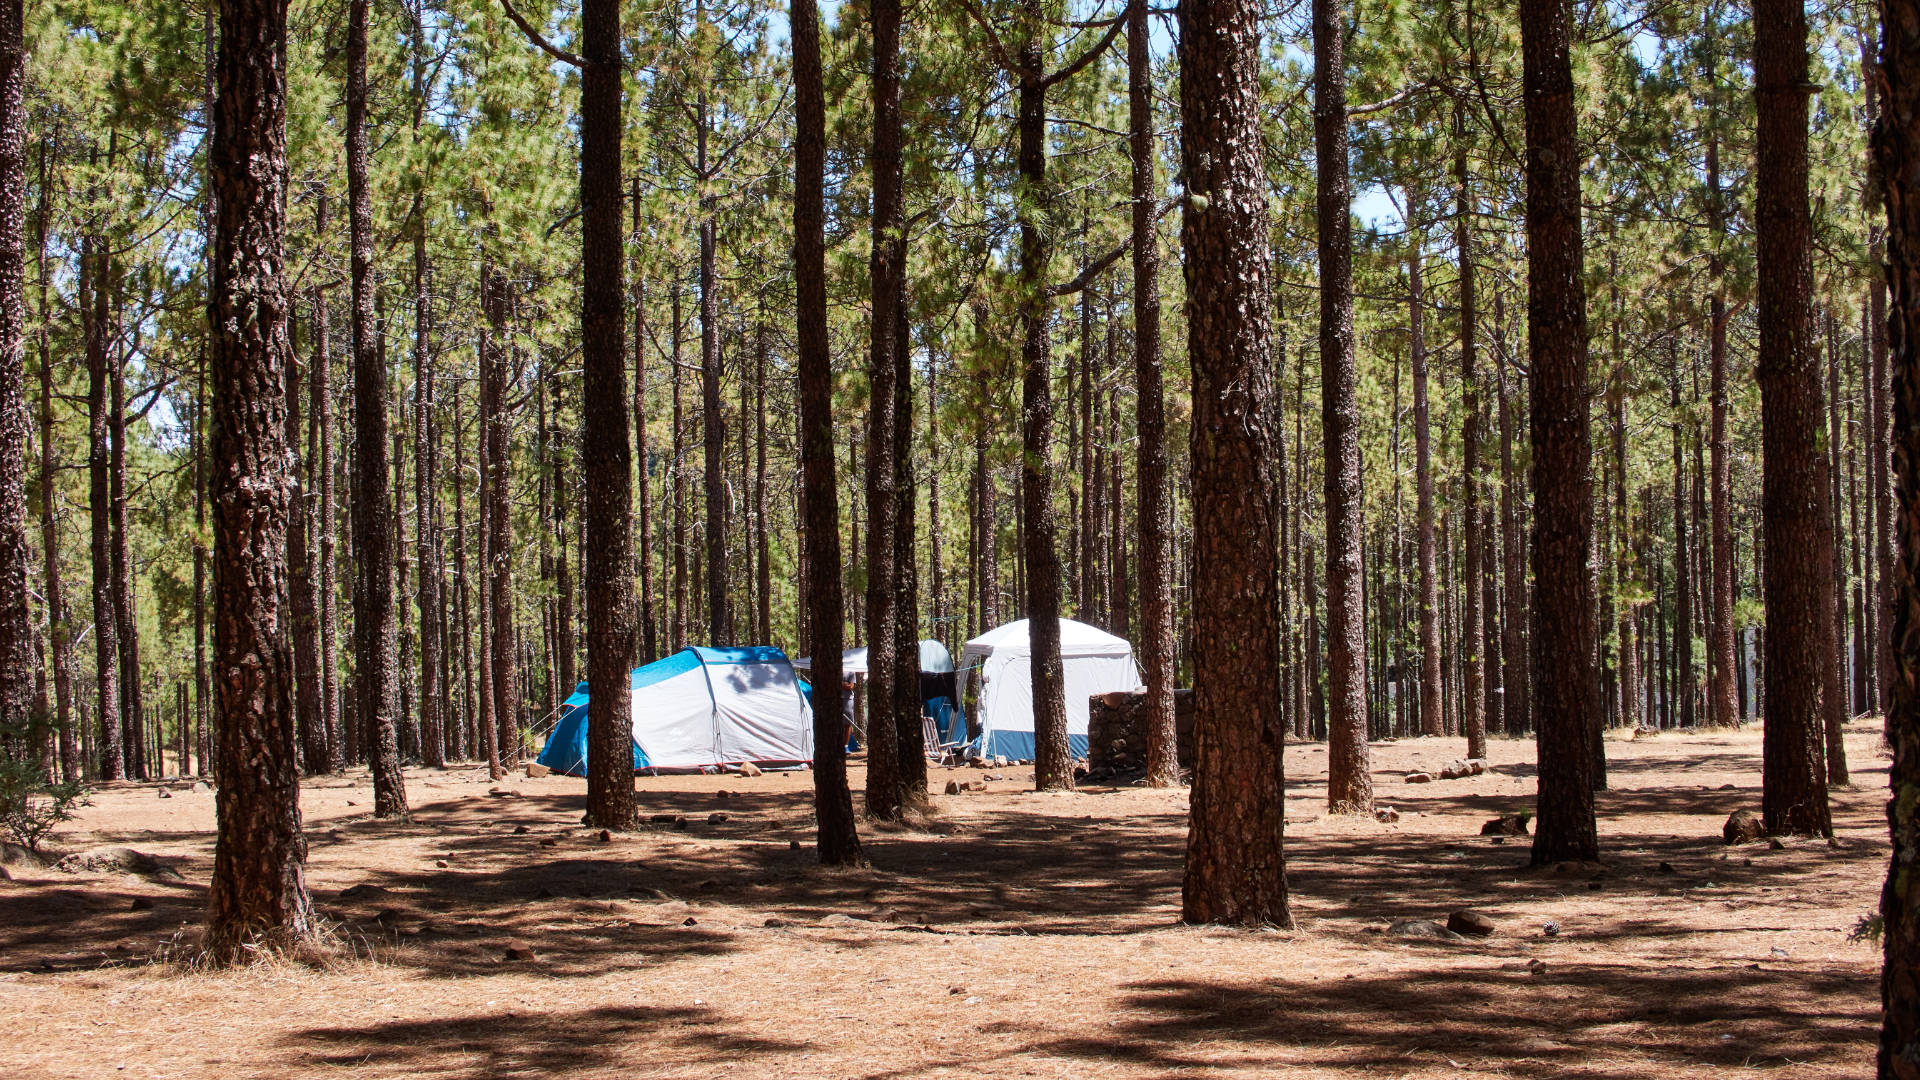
(1015, 934)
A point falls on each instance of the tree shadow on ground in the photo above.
(534, 1043)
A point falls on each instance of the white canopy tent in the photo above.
(1094, 662)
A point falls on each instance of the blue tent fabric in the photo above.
(1017, 745)
(566, 747)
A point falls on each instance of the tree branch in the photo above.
(1086, 58)
(539, 39)
(1000, 53)
(1096, 267)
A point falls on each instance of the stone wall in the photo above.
(1117, 732)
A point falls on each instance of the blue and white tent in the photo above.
(1094, 662)
(701, 708)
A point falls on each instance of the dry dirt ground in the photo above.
(1017, 934)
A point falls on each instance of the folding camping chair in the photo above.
(940, 753)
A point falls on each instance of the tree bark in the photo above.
(258, 895)
(836, 838)
(503, 664)
(1896, 154)
(1430, 719)
(127, 628)
(1150, 417)
(1349, 783)
(713, 426)
(1566, 686)
(1236, 863)
(375, 667)
(1723, 705)
(59, 622)
(93, 304)
(302, 592)
(1833, 701)
(884, 778)
(17, 662)
(606, 456)
(1796, 523)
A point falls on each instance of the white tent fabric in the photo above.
(934, 657)
(700, 708)
(1094, 662)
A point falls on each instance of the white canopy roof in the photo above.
(1076, 639)
(933, 658)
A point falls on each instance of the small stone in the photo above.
(837, 919)
(350, 802)
(520, 830)
(793, 845)
(956, 990)
(954, 787)
(362, 891)
(661, 819)
(519, 951)
(1419, 778)
(722, 794)
(1386, 815)
(1455, 770)
(716, 819)
(605, 836)
(775, 924)
(441, 863)
(691, 921)
(1776, 844)
(1742, 827)
(165, 794)
(503, 793)
(201, 785)
(1552, 929)
(1536, 966)
(1666, 867)
(748, 768)
(549, 842)
(141, 903)
(1470, 923)
(536, 770)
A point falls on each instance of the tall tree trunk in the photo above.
(1722, 705)
(59, 623)
(1896, 146)
(1236, 863)
(426, 467)
(650, 640)
(1481, 659)
(113, 764)
(763, 541)
(326, 524)
(132, 702)
(1794, 496)
(884, 778)
(503, 664)
(1150, 419)
(1566, 700)
(375, 667)
(17, 663)
(838, 842)
(1682, 552)
(302, 593)
(1349, 783)
(1833, 682)
(906, 577)
(680, 581)
(606, 455)
(1430, 719)
(258, 895)
(713, 426)
(1518, 704)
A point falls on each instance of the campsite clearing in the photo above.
(1016, 934)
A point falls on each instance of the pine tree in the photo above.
(258, 894)
(1236, 864)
